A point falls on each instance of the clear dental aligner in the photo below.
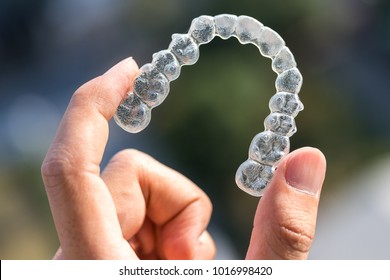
(267, 148)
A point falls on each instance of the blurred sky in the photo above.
(49, 48)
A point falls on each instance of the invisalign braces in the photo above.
(267, 148)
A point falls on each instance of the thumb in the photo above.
(285, 219)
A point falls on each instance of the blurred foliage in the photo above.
(26, 227)
(219, 104)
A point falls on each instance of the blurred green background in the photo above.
(203, 129)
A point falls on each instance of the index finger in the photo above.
(82, 207)
(84, 128)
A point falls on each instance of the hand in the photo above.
(139, 208)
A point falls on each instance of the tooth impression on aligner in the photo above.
(202, 29)
(268, 147)
(269, 42)
(248, 29)
(151, 85)
(184, 48)
(225, 25)
(286, 103)
(283, 61)
(167, 63)
(253, 177)
(280, 123)
(132, 115)
(289, 80)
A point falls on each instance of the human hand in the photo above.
(139, 208)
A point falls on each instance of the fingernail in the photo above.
(306, 173)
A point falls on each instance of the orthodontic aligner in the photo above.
(267, 148)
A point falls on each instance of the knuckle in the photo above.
(54, 172)
(61, 166)
(57, 163)
(296, 238)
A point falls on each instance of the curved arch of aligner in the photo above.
(267, 148)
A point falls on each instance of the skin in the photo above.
(137, 208)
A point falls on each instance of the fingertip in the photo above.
(107, 91)
(121, 76)
(309, 152)
(128, 64)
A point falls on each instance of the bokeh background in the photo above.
(203, 129)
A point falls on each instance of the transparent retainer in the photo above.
(267, 148)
